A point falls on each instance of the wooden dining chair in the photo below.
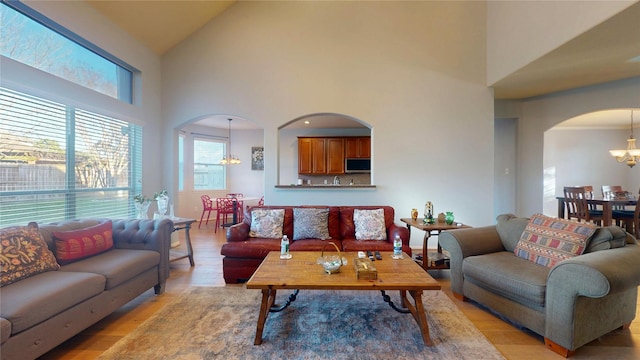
(636, 222)
(207, 206)
(610, 190)
(575, 198)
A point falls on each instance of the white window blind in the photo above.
(58, 162)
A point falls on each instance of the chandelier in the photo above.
(230, 159)
(631, 155)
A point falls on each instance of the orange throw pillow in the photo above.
(79, 244)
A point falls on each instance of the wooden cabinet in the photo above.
(320, 155)
(357, 147)
(335, 156)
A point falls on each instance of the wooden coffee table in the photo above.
(302, 273)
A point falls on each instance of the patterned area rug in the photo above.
(220, 323)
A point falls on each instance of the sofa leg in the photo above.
(158, 289)
(460, 297)
(557, 348)
(625, 326)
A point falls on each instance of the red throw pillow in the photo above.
(79, 244)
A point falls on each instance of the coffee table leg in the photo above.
(419, 314)
(268, 297)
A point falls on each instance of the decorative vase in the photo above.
(163, 203)
(448, 218)
(414, 214)
(142, 209)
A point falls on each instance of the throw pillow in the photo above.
(547, 241)
(369, 224)
(310, 223)
(24, 253)
(79, 244)
(266, 223)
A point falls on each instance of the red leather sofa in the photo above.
(243, 254)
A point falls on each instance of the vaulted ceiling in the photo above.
(607, 52)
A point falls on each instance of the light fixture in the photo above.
(230, 159)
(631, 155)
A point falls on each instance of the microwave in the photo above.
(353, 166)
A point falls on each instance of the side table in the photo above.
(182, 224)
(431, 229)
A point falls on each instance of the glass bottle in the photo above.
(397, 247)
(284, 248)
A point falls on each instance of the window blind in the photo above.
(59, 162)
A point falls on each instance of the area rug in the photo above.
(220, 323)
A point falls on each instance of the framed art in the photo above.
(257, 158)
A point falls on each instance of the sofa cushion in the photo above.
(78, 244)
(509, 276)
(266, 223)
(605, 238)
(116, 265)
(37, 298)
(5, 330)
(311, 223)
(547, 241)
(369, 224)
(315, 245)
(510, 228)
(24, 254)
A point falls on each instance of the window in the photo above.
(180, 162)
(59, 162)
(33, 39)
(208, 174)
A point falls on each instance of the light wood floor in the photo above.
(512, 342)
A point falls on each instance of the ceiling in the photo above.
(607, 52)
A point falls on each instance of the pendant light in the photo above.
(631, 155)
(230, 159)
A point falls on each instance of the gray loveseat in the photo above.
(569, 304)
(42, 311)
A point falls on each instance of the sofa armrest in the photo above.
(238, 232)
(143, 234)
(598, 274)
(461, 243)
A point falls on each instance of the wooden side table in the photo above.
(182, 224)
(431, 229)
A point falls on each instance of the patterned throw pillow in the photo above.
(79, 244)
(369, 224)
(24, 253)
(310, 223)
(547, 241)
(266, 223)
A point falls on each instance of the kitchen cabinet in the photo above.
(357, 147)
(320, 155)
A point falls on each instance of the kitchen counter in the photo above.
(326, 186)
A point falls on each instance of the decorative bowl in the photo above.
(331, 263)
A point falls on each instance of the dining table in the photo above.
(607, 204)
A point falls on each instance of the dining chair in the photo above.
(610, 190)
(636, 222)
(207, 206)
(575, 198)
(224, 208)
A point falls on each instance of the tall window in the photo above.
(60, 162)
(32, 39)
(208, 174)
(180, 162)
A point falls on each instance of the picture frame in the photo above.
(257, 158)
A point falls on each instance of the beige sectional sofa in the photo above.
(48, 307)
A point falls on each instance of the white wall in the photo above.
(581, 157)
(542, 113)
(519, 32)
(405, 68)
